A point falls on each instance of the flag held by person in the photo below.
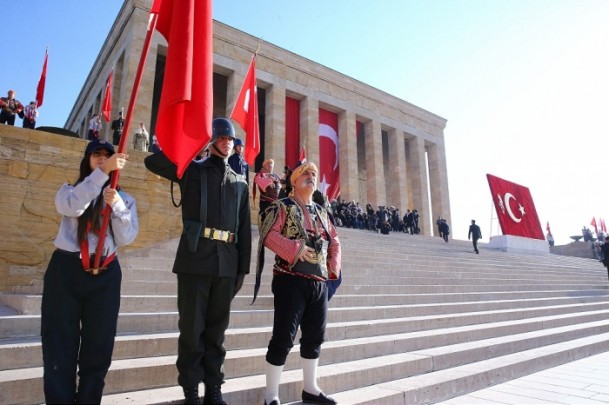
(245, 113)
(515, 208)
(42, 81)
(106, 108)
(593, 223)
(183, 126)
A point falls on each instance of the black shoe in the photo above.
(273, 402)
(317, 399)
(213, 395)
(191, 396)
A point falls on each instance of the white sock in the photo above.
(309, 376)
(273, 375)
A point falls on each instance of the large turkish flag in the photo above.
(515, 208)
(329, 182)
(183, 124)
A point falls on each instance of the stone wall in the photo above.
(33, 165)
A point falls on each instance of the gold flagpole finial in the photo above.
(258, 47)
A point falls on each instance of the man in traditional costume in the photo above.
(308, 253)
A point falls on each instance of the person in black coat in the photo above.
(475, 234)
(212, 260)
(605, 252)
(237, 162)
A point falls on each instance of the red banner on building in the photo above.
(292, 131)
(329, 181)
(515, 208)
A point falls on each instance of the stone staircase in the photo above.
(416, 321)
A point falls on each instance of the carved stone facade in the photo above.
(403, 151)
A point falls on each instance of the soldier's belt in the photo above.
(217, 234)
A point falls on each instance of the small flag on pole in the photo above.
(245, 113)
(106, 108)
(42, 81)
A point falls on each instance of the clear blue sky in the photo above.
(524, 84)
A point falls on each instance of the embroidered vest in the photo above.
(294, 229)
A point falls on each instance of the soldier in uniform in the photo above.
(117, 128)
(308, 253)
(236, 161)
(212, 260)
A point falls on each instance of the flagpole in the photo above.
(490, 233)
(123, 139)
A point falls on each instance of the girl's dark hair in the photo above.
(93, 211)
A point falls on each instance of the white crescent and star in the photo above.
(507, 197)
(246, 100)
(324, 185)
(327, 131)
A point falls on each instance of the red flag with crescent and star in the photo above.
(329, 182)
(183, 125)
(515, 208)
(245, 113)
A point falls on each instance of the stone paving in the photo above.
(584, 381)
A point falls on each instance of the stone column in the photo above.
(440, 203)
(347, 156)
(274, 137)
(309, 128)
(418, 173)
(375, 178)
(397, 187)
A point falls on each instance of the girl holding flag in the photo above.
(80, 304)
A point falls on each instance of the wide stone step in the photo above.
(423, 316)
(360, 273)
(26, 353)
(30, 304)
(170, 287)
(445, 384)
(395, 379)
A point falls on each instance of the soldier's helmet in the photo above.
(221, 127)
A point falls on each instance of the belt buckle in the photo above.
(221, 235)
(95, 271)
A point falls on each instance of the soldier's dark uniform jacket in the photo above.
(230, 212)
